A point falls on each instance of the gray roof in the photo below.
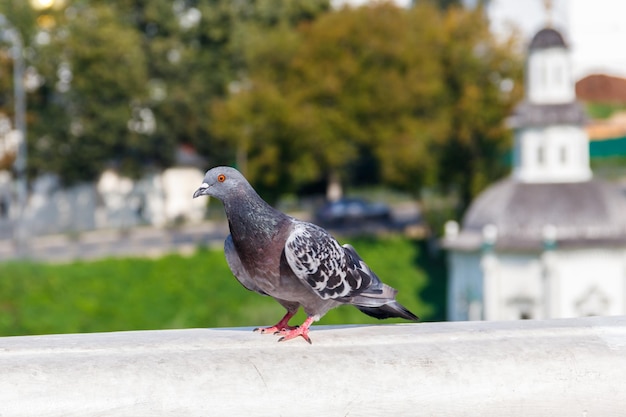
(527, 114)
(547, 38)
(579, 213)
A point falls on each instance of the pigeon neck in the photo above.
(249, 216)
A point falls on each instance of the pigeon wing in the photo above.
(321, 262)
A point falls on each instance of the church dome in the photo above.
(524, 215)
(547, 38)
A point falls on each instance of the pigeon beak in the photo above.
(202, 190)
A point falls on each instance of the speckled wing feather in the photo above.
(320, 261)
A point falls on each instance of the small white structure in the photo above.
(549, 241)
(157, 199)
(178, 184)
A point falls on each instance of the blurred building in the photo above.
(548, 241)
(160, 198)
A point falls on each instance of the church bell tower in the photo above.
(551, 144)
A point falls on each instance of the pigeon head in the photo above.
(220, 182)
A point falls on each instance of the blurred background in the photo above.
(474, 153)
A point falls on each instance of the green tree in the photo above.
(417, 94)
(100, 78)
(266, 133)
(195, 50)
(348, 83)
(442, 4)
(91, 79)
(483, 79)
(126, 81)
(16, 17)
(370, 76)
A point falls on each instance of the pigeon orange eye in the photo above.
(221, 178)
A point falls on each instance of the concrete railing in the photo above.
(572, 367)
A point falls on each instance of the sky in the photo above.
(595, 30)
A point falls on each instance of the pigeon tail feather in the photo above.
(389, 310)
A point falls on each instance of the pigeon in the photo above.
(297, 263)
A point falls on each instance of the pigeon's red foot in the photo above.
(282, 325)
(298, 331)
(274, 329)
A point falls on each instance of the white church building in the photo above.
(548, 241)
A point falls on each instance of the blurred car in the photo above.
(352, 211)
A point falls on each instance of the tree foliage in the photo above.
(290, 91)
(416, 96)
(483, 82)
(124, 82)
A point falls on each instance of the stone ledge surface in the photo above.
(567, 367)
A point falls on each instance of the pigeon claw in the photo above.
(274, 329)
(298, 331)
(285, 329)
(292, 334)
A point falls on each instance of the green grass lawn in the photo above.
(183, 292)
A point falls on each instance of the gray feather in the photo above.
(237, 268)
